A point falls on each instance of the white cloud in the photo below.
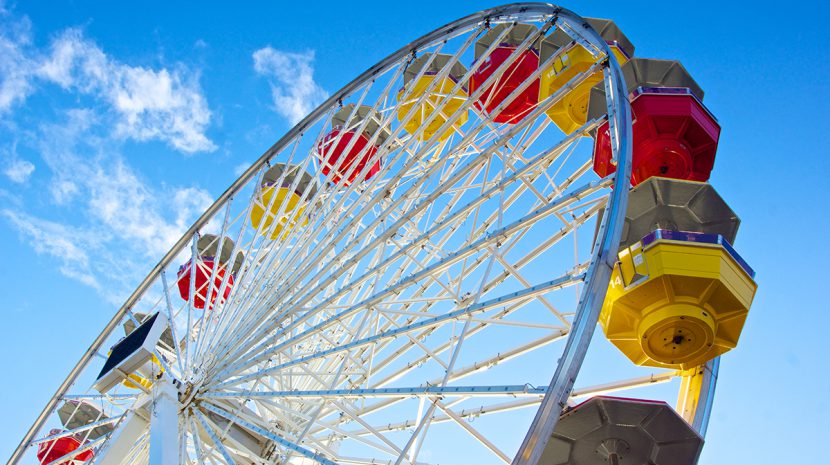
(147, 104)
(130, 209)
(15, 65)
(114, 196)
(151, 104)
(291, 76)
(64, 243)
(15, 168)
(19, 170)
(62, 190)
(106, 224)
(125, 228)
(120, 223)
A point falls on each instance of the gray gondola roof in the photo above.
(607, 29)
(640, 431)
(434, 66)
(275, 175)
(75, 414)
(678, 205)
(363, 112)
(518, 34)
(646, 72)
(208, 245)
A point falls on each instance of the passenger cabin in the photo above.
(280, 202)
(569, 59)
(674, 135)
(349, 151)
(210, 261)
(431, 96)
(503, 71)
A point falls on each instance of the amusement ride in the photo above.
(414, 274)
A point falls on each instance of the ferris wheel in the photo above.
(414, 274)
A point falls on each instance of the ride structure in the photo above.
(436, 244)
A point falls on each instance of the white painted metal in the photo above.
(164, 423)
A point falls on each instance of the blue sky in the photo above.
(118, 126)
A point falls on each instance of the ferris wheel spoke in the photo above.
(206, 328)
(477, 366)
(414, 340)
(431, 392)
(468, 428)
(392, 448)
(232, 418)
(389, 378)
(319, 408)
(171, 317)
(216, 442)
(510, 135)
(400, 352)
(468, 413)
(192, 296)
(287, 423)
(468, 311)
(323, 325)
(624, 385)
(489, 239)
(386, 446)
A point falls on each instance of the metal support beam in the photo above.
(164, 424)
(422, 391)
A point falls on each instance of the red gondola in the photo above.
(50, 451)
(525, 64)
(207, 248)
(204, 268)
(345, 153)
(674, 135)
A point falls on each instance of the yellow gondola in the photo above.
(441, 95)
(571, 111)
(278, 201)
(677, 299)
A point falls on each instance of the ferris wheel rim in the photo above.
(607, 241)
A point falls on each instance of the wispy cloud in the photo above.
(15, 66)
(147, 104)
(159, 104)
(105, 224)
(121, 222)
(113, 194)
(66, 244)
(19, 170)
(291, 77)
(15, 168)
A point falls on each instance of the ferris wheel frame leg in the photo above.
(164, 424)
(697, 393)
